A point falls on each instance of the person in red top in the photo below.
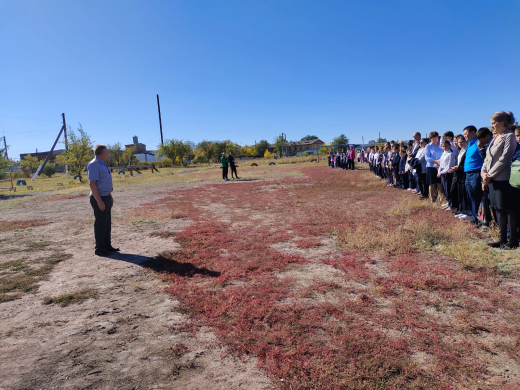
(351, 155)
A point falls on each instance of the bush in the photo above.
(165, 163)
(49, 170)
(201, 159)
(21, 174)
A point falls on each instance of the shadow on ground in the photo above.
(164, 265)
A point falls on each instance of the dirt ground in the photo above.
(123, 337)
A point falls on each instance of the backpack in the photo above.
(514, 179)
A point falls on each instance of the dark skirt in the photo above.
(431, 176)
(502, 195)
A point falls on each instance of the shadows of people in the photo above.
(164, 265)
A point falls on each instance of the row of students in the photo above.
(344, 160)
(465, 173)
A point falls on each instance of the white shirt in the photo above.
(446, 161)
(461, 154)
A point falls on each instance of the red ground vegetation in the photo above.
(6, 226)
(402, 320)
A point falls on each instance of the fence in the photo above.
(12, 188)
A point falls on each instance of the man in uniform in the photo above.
(224, 165)
(100, 181)
(232, 165)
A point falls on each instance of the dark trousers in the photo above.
(224, 173)
(103, 222)
(474, 193)
(487, 209)
(423, 185)
(404, 180)
(446, 186)
(350, 164)
(234, 171)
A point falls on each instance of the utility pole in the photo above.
(5, 150)
(50, 153)
(160, 121)
(66, 144)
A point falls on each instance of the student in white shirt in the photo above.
(446, 162)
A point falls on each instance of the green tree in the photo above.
(115, 157)
(261, 147)
(128, 158)
(176, 150)
(309, 138)
(203, 152)
(381, 141)
(80, 151)
(208, 151)
(341, 140)
(278, 145)
(4, 164)
(30, 163)
(49, 170)
(324, 148)
(247, 151)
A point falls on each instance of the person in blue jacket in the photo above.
(472, 166)
(432, 154)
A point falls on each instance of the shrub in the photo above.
(200, 159)
(49, 170)
(165, 163)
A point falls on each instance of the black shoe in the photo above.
(112, 249)
(509, 245)
(497, 244)
(102, 253)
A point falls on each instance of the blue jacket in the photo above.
(516, 156)
(396, 160)
(402, 164)
(474, 160)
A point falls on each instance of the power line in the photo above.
(27, 132)
(28, 119)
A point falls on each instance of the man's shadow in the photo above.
(164, 265)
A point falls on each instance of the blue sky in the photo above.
(251, 69)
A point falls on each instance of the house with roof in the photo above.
(297, 147)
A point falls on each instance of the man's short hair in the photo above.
(470, 129)
(99, 149)
(483, 132)
(448, 134)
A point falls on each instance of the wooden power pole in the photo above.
(66, 144)
(5, 150)
(42, 165)
(160, 121)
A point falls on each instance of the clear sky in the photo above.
(248, 70)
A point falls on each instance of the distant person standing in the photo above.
(351, 156)
(101, 200)
(232, 165)
(224, 165)
(496, 172)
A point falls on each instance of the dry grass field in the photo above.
(296, 276)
